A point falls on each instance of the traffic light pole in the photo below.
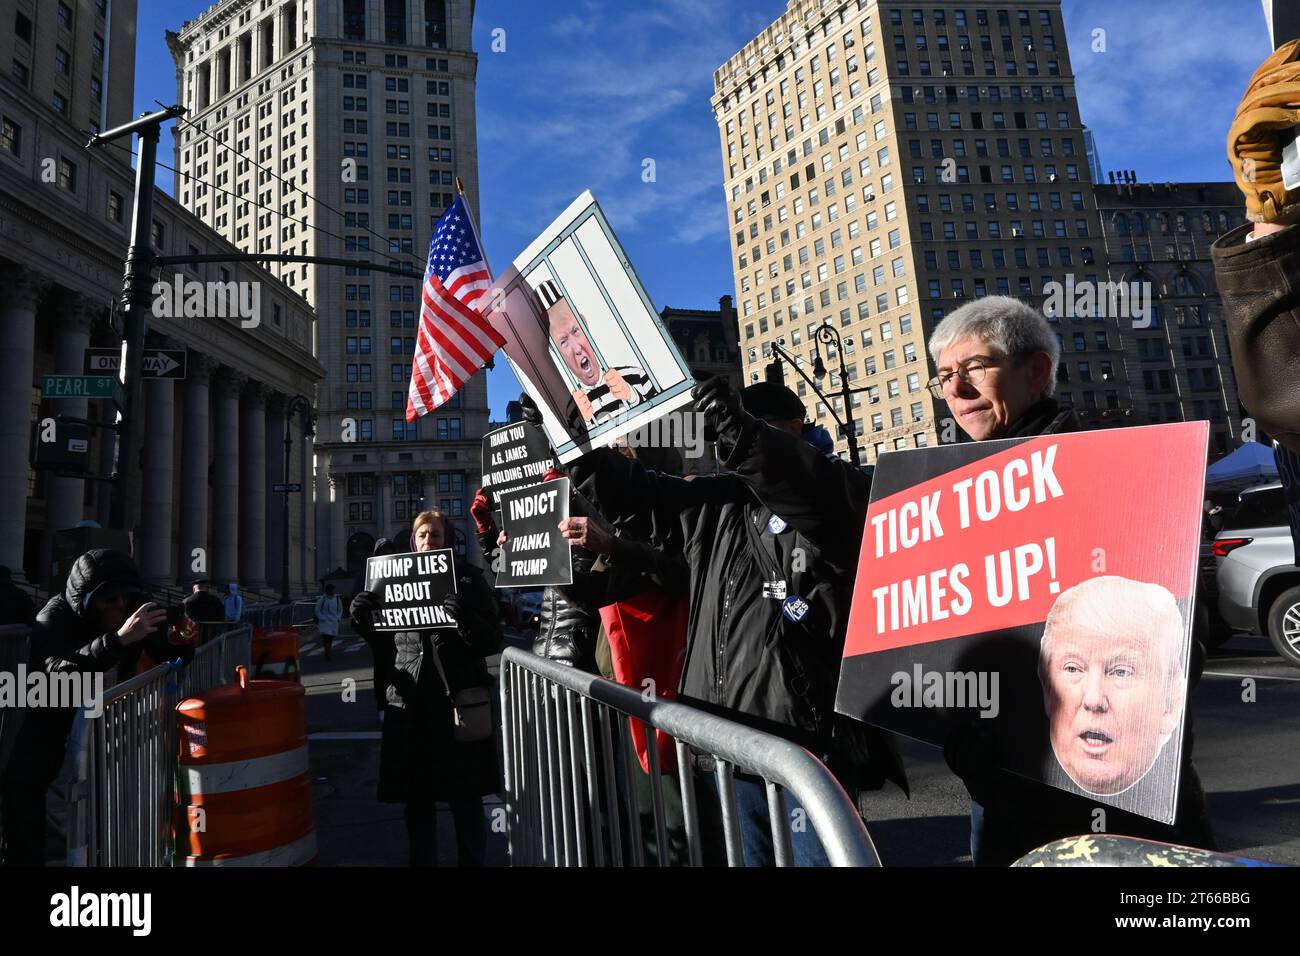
(137, 285)
(297, 404)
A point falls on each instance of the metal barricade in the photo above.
(15, 642)
(120, 803)
(572, 775)
(214, 662)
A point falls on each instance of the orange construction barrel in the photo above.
(274, 653)
(242, 792)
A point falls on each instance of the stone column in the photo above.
(194, 472)
(275, 404)
(225, 479)
(382, 497)
(252, 488)
(65, 497)
(428, 489)
(20, 291)
(308, 573)
(156, 501)
(338, 514)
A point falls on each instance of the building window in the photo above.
(114, 206)
(60, 103)
(65, 16)
(11, 137)
(67, 175)
(62, 62)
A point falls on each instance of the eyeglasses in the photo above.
(971, 372)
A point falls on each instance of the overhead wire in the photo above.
(388, 242)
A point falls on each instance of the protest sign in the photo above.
(411, 588)
(1041, 588)
(535, 553)
(514, 457)
(583, 337)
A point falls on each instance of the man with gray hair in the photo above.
(1112, 667)
(996, 360)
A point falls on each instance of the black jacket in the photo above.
(419, 759)
(65, 637)
(1261, 306)
(15, 606)
(745, 659)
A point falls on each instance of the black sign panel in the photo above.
(515, 457)
(410, 588)
(535, 553)
(281, 488)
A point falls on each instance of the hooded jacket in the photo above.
(65, 637)
(784, 513)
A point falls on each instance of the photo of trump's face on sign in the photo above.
(1114, 678)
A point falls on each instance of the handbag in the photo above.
(471, 709)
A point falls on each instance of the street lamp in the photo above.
(299, 403)
(829, 335)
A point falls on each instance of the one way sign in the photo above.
(156, 363)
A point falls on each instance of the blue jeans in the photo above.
(756, 825)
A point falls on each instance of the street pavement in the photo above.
(352, 827)
(1247, 753)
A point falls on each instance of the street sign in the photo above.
(82, 386)
(281, 488)
(156, 363)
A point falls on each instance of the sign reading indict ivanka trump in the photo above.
(583, 337)
(535, 553)
(411, 588)
(1041, 588)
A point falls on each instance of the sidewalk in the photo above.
(352, 827)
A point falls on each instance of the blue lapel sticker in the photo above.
(795, 608)
(776, 525)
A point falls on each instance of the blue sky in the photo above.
(584, 92)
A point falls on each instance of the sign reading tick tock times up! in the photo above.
(535, 553)
(1035, 589)
(411, 588)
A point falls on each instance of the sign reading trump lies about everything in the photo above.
(411, 588)
(1041, 588)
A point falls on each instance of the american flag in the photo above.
(454, 340)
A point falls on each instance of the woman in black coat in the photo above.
(420, 762)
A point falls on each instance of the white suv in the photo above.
(1258, 581)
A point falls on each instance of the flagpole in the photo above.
(490, 364)
(460, 191)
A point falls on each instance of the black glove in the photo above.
(972, 753)
(453, 605)
(456, 605)
(529, 411)
(720, 405)
(362, 609)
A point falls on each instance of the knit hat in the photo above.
(763, 399)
